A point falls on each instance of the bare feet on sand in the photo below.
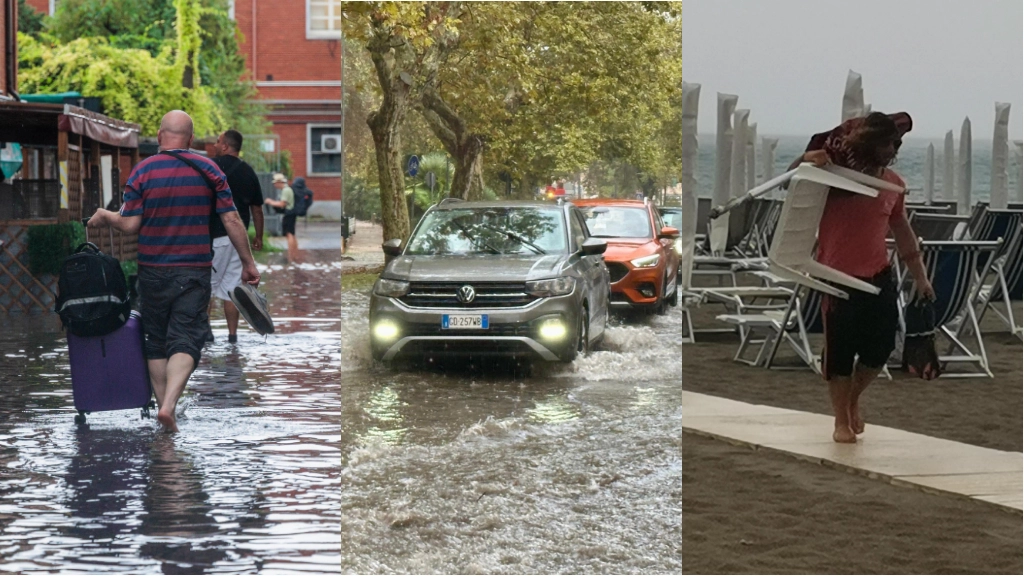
(844, 435)
(168, 421)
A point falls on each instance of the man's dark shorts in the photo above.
(864, 326)
(288, 225)
(174, 301)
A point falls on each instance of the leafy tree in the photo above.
(180, 36)
(29, 21)
(542, 89)
(361, 201)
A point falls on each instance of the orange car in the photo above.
(641, 254)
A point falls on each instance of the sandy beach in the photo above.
(747, 511)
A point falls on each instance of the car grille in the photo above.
(617, 270)
(488, 295)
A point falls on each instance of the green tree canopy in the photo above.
(132, 53)
(548, 88)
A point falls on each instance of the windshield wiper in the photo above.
(475, 239)
(515, 237)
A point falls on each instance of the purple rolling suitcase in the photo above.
(109, 372)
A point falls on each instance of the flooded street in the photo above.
(250, 484)
(573, 469)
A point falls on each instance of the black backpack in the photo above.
(302, 203)
(92, 294)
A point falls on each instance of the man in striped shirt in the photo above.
(169, 204)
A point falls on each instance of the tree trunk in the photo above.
(465, 147)
(393, 207)
(384, 126)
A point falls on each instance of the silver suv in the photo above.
(492, 279)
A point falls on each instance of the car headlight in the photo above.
(553, 287)
(647, 261)
(679, 245)
(390, 288)
(385, 330)
(552, 329)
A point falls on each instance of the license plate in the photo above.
(464, 322)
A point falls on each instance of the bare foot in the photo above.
(856, 421)
(844, 435)
(168, 421)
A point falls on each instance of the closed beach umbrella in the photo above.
(853, 97)
(751, 156)
(964, 173)
(723, 168)
(1019, 146)
(691, 97)
(929, 175)
(768, 161)
(948, 170)
(999, 191)
(738, 176)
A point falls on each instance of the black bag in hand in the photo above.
(919, 355)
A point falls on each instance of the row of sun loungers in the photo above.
(974, 262)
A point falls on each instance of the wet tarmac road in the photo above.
(251, 484)
(571, 469)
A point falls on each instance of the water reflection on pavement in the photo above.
(251, 484)
(461, 469)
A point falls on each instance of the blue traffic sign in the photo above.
(414, 166)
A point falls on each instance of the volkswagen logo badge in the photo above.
(466, 294)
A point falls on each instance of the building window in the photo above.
(231, 9)
(324, 157)
(323, 18)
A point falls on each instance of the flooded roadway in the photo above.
(575, 469)
(250, 484)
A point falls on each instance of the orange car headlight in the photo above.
(646, 261)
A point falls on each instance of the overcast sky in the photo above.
(787, 60)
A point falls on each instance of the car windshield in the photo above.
(515, 230)
(617, 222)
(672, 219)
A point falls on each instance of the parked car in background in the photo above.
(673, 218)
(641, 254)
(518, 279)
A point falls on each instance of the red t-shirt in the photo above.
(851, 236)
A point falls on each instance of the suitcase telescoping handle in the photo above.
(110, 231)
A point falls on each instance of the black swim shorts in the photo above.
(862, 328)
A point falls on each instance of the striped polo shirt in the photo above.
(174, 202)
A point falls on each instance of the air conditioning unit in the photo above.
(330, 143)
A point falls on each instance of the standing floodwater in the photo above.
(250, 484)
(573, 469)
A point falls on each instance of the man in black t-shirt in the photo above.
(248, 197)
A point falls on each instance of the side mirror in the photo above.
(668, 233)
(593, 247)
(393, 247)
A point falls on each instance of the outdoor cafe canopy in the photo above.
(34, 124)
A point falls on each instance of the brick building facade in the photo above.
(293, 49)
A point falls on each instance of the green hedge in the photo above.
(49, 244)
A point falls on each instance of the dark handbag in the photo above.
(919, 355)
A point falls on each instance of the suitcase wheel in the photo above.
(80, 418)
